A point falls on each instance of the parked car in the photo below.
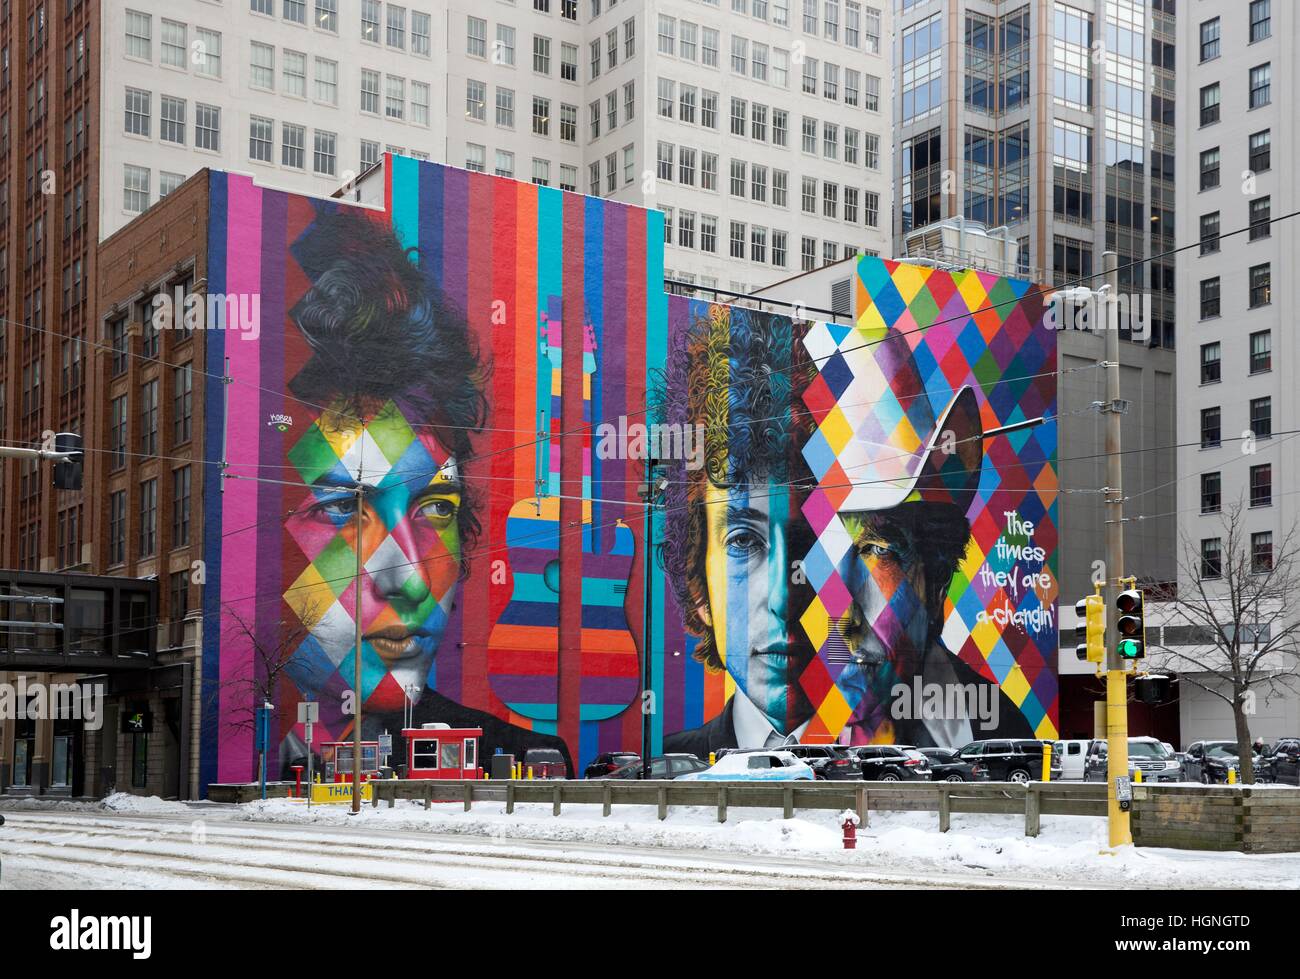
(609, 761)
(947, 766)
(1069, 757)
(545, 763)
(1005, 761)
(665, 767)
(833, 762)
(1284, 761)
(1147, 754)
(1208, 762)
(754, 766)
(892, 763)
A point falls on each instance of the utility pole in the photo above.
(1116, 674)
(358, 587)
(649, 493)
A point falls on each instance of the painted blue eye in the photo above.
(744, 542)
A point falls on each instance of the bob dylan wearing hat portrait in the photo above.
(735, 527)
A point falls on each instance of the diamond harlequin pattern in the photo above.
(968, 329)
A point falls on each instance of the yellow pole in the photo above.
(530, 772)
(1047, 763)
(1117, 756)
(1232, 776)
(1137, 776)
(713, 758)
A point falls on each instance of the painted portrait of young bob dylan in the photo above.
(465, 390)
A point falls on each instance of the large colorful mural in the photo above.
(460, 394)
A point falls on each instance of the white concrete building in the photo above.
(302, 93)
(760, 127)
(1237, 358)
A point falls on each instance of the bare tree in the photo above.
(273, 652)
(1240, 612)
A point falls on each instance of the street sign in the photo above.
(308, 712)
(1123, 792)
(385, 744)
(339, 792)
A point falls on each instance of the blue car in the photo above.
(754, 766)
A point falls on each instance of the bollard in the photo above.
(297, 785)
(1047, 763)
(1232, 776)
(849, 821)
(1137, 776)
(713, 759)
(530, 772)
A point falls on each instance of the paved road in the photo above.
(43, 849)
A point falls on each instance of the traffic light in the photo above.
(1091, 629)
(67, 472)
(1130, 625)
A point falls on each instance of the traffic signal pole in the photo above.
(1116, 675)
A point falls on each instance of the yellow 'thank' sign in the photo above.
(339, 792)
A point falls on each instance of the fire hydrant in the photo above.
(849, 820)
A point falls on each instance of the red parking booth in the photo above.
(336, 761)
(440, 751)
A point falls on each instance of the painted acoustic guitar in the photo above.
(528, 658)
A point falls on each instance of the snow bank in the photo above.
(123, 802)
(1070, 849)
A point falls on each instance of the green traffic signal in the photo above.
(1130, 625)
(1130, 648)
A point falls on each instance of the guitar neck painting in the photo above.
(463, 387)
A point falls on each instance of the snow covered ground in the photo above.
(121, 841)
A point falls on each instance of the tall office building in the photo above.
(757, 126)
(1054, 119)
(1238, 359)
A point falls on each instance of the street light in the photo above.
(649, 492)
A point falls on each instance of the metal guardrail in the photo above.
(1033, 799)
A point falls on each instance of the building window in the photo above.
(181, 506)
(1261, 20)
(324, 158)
(1261, 552)
(208, 52)
(475, 157)
(293, 148)
(117, 527)
(394, 97)
(174, 48)
(396, 36)
(1210, 169)
(1261, 151)
(1210, 96)
(1261, 417)
(420, 33)
(1209, 233)
(1261, 285)
(138, 111)
(1261, 218)
(171, 125)
(1211, 492)
(182, 403)
(541, 55)
(207, 127)
(1211, 557)
(1210, 30)
(294, 73)
(505, 106)
(259, 138)
(1209, 297)
(1210, 362)
(117, 433)
(262, 66)
(1261, 86)
(475, 99)
(1210, 427)
(135, 193)
(147, 538)
(1261, 352)
(541, 116)
(327, 15)
(1261, 485)
(327, 82)
(139, 37)
(475, 33)
(505, 164)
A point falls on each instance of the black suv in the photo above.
(1005, 761)
(890, 763)
(1208, 762)
(1284, 760)
(607, 762)
(832, 762)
